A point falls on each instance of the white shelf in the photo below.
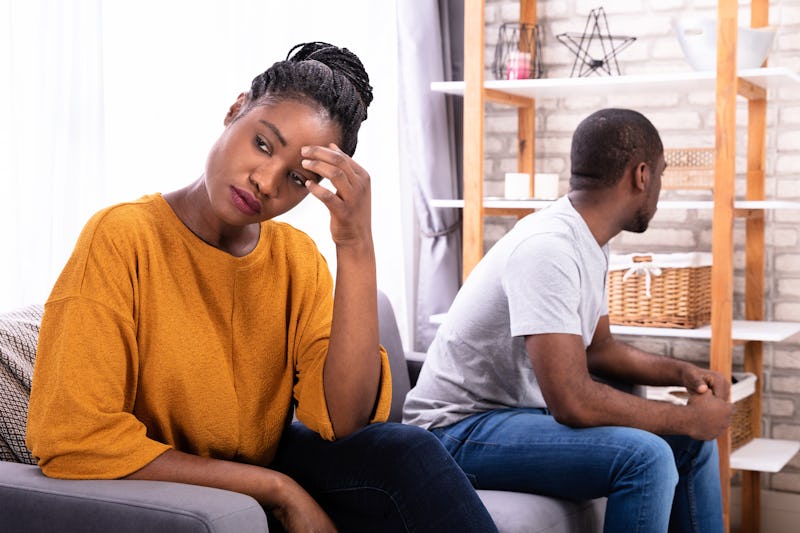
(768, 78)
(764, 455)
(497, 202)
(742, 330)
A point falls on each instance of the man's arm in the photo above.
(563, 371)
(612, 359)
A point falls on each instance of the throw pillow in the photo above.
(19, 332)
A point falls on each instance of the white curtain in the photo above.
(51, 137)
(104, 101)
(429, 159)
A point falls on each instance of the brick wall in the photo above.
(684, 120)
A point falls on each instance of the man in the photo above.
(508, 384)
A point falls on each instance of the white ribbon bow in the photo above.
(646, 268)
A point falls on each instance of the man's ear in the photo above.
(234, 110)
(641, 176)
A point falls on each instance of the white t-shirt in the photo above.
(547, 275)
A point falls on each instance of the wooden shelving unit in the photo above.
(728, 84)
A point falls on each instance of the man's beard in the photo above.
(639, 223)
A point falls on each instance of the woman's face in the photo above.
(254, 171)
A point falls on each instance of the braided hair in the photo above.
(606, 142)
(331, 77)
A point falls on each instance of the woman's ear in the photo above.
(234, 110)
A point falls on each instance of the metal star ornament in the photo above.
(602, 57)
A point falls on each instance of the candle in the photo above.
(518, 185)
(518, 66)
(545, 186)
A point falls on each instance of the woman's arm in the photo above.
(353, 366)
(276, 492)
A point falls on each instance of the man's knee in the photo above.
(652, 458)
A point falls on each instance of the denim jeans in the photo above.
(385, 477)
(653, 483)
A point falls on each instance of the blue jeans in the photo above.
(384, 477)
(653, 483)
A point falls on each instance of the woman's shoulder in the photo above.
(124, 222)
(284, 234)
(145, 210)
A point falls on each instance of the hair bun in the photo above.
(337, 59)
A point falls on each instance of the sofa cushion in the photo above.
(19, 332)
(518, 512)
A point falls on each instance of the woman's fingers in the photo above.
(344, 173)
(350, 181)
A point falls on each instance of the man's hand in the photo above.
(711, 415)
(699, 381)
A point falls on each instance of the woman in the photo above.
(186, 327)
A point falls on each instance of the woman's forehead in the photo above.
(291, 120)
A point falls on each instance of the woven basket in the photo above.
(742, 395)
(688, 168)
(741, 428)
(679, 296)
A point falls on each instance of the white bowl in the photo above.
(698, 40)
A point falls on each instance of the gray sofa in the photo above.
(33, 503)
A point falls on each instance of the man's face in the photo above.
(649, 206)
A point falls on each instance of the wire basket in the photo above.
(517, 54)
(688, 168)
(666, 290)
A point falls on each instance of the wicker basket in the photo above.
(688, 168)
(666, 290)
(742, 396)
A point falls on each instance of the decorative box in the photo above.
(688, 168)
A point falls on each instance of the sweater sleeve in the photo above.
(311, 346)
(80, 421)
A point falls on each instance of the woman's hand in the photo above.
(299, 512)
(350, 205)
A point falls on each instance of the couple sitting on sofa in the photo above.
(187, 329)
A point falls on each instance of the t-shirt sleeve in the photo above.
(542, 283)
(80, 421)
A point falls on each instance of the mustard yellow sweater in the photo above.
(153, 339)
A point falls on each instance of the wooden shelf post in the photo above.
(474, 99)
(722, 233)
(754, 266)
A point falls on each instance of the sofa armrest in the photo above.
(34, 503)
